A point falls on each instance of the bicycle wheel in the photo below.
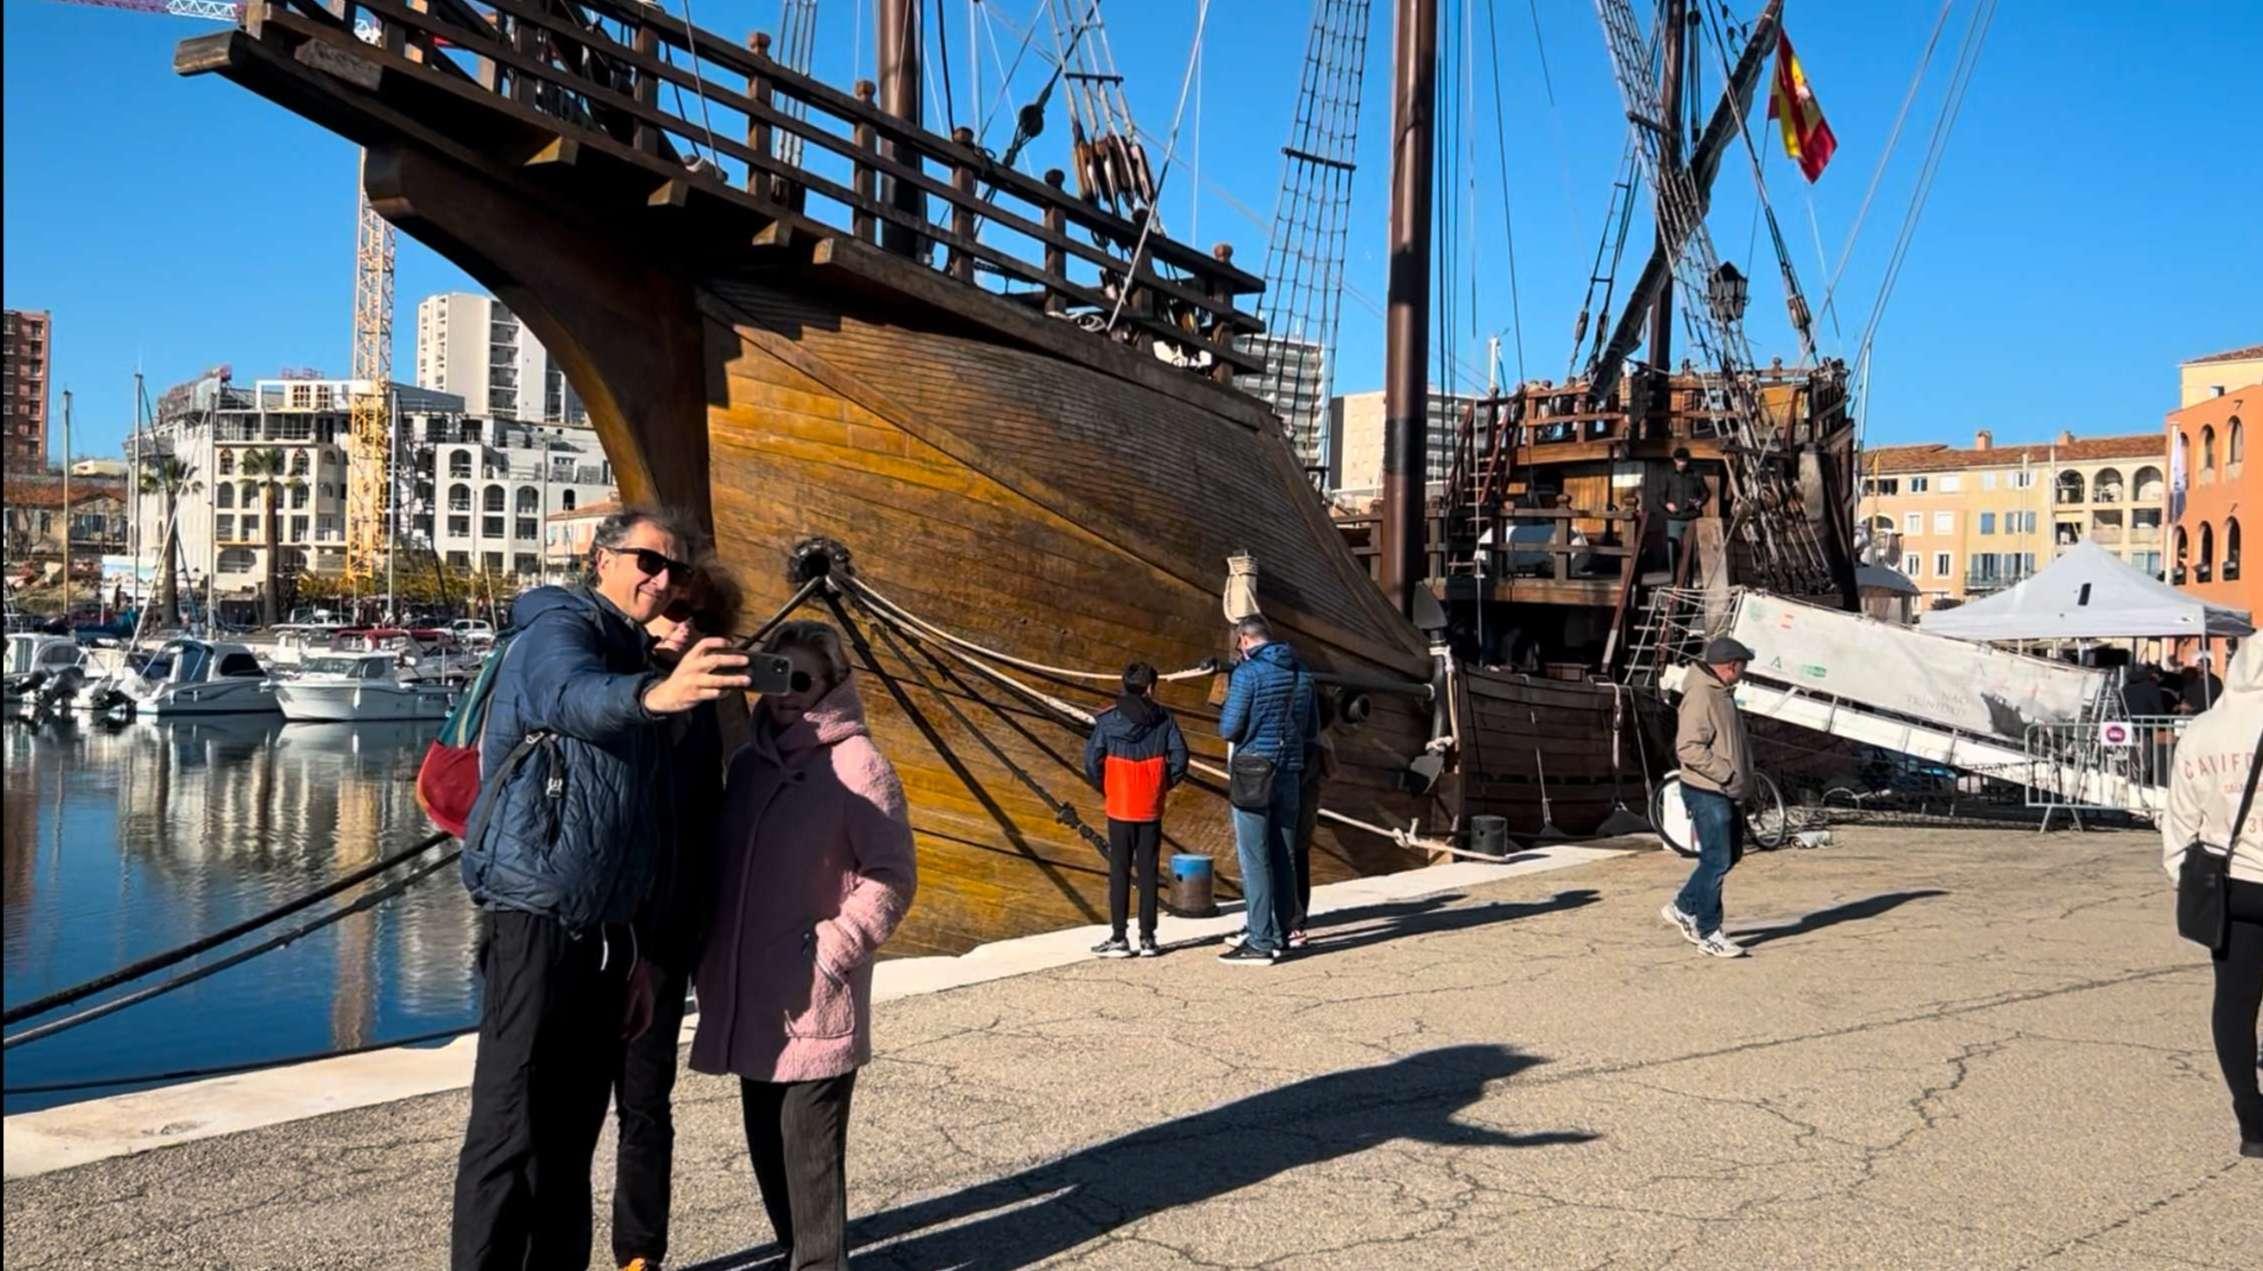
(1767, 822)
(1671, 817)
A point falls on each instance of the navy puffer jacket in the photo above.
(1269, 707)
(570, 831)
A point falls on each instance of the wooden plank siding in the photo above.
(954, 537)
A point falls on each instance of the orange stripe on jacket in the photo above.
(1135, 788)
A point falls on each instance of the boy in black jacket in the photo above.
(1134, 756)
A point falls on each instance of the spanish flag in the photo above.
(1807, 138)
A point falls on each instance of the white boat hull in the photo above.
(360, 702)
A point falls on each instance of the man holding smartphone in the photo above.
(558, 857)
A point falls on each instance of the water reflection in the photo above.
(121, 842)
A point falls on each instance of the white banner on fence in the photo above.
(1961, 685)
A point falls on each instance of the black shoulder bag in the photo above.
(2204, 881)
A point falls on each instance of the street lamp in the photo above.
(1728, 293)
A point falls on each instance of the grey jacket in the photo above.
(1710, 741)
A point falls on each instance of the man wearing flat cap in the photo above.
(1716, 770)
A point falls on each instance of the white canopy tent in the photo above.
(2088, 594)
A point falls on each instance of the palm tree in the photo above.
(170, 476)
(266, 465)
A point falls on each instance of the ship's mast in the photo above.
(1406, 395)
(1669, 122)
(897, 49)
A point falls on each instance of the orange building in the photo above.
(2214, 492)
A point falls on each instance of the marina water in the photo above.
(127, 840)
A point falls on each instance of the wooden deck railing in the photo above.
(749, 132)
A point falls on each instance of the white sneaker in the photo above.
(1680, 921)
(1238, 939)
(1720, 946)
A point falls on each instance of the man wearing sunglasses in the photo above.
(558, 857)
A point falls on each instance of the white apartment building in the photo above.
(485, 489)
(1355, 466)
(475, 348)
(210, 424)
(1295, 385)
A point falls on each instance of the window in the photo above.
(1987, 480)
(1944, 522)
(2208, 453)
(298, 528)
(526, 527)
(529, 501)
(1951, 484)
(1917, 485)
(491, 562)
(2106, 487)
(491, 527)
(2024, 479)
(298, 495)
(1987, 522)
(242, 665)
(224, 495)
(2231, 549)
(459, 463)
(1941, 564)
(251, 527)
(1914, 562)
(227, 463)
(2070, 487)
(493, 498)
(298, 463)
(568, 502)
(2204, 569)
(2235, 445)
(1882, 485)
(1913, 523)
(237, 560)
(459, 560)
(459, 527)
(525, 565)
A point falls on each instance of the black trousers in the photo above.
(549, 1045)
(797, 1134)
(1132, 846)
(645, 1164)
(2239, 1004)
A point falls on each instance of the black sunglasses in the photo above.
(649, 563)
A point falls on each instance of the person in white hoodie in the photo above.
(2212, 762)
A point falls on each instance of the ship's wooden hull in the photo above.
(1053, 511)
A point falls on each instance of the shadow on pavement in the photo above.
(1852, 911)
(1047, 1209)
(1428, 915)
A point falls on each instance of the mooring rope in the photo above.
(92, 1013)
(159, 961)
(874, 599)
(860, 590)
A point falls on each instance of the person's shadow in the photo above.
(1374, 924)
(1048, 1209)
(1852, 911)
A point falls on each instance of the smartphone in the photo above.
(774, 673)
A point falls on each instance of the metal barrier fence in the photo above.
(2107, 765)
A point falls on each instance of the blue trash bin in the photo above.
(1191, 886)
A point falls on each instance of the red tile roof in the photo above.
(2230, 355)
(595, 511)
(1935, 457)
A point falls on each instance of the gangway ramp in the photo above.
(1967, 706)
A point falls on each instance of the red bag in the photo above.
(447, 781)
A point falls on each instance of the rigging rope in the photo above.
(1960, 79)
(159, 961)
(92, 1013)
(861, 591)
(1893, 139)
(1508, 217)
(1162, 176)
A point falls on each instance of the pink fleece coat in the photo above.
(815, 870)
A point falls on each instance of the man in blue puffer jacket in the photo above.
(1269, 716)
(557, 857)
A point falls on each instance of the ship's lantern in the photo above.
(1729, 292)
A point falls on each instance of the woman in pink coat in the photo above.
(815, 869)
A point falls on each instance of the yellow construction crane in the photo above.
(369, 439)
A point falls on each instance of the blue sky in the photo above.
(2087, 229)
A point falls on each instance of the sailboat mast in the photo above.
(1670, 154)
(1406, 395)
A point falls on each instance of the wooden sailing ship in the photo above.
(1001, 418)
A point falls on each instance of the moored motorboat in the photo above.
(188, 676)
(352, 688)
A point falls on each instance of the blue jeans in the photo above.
(1719, 827)
(1263, 842)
